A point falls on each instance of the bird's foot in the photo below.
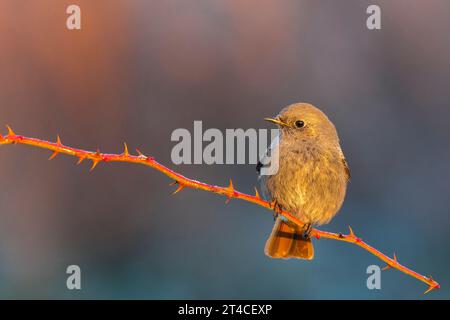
(307, 228)
(277, 209)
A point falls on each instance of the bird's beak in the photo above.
(277, 121)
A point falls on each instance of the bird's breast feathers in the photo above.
(310, 180)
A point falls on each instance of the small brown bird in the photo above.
(311, 180)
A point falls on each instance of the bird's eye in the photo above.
(299, 123)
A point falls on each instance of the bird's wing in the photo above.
(344, 162)
(265, 159)
(347, 169)
(265, 162)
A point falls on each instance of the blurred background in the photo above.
(137, 70)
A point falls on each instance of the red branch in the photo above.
(229, 192)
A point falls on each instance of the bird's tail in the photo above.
(287, 241)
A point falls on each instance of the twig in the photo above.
(229, 192)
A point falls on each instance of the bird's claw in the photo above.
(277, 209)
(307, 228)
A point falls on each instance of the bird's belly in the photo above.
(312, 190)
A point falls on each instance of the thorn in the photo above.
(53, 155)
(80, 160)
(10, 132)
(94, 164)
(387, 268)
(230, 188)
(341, 236)
(125, 151)
(429, 289)
(180, 187)
(141, 155)
(257, 194)
(173, 183)
(352, 234)
(101, 157)
(437, 286)
(58, 140)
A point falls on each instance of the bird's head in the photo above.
(303, 120)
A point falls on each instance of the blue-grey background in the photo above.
(140, 69)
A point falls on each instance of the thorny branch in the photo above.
(229, 192)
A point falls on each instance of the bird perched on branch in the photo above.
(311, 179)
